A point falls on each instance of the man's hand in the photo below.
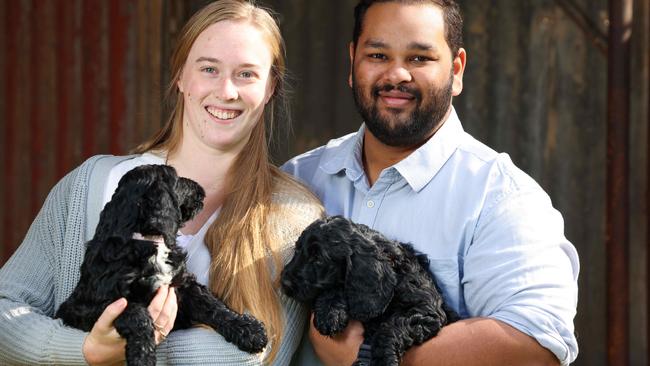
(338, 350)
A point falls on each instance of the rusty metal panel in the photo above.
(79, 78)
(3, 122)
(639, 123)
(82, 77)
(16, 93)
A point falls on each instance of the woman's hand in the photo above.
(104, 346)
(340, 349)
(163, 310)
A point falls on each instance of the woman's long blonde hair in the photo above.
(240, 240)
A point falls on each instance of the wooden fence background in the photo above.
(82, 77)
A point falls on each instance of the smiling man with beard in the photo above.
(417, 127)
(496, 244)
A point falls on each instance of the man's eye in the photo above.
(421, 59)
(377, 56)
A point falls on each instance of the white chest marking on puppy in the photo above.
(165, 270)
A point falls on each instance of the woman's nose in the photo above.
(226, 90)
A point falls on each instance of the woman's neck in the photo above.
(208, 169)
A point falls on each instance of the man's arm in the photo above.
(491, 342)
(475, 341)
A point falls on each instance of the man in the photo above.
(496, 244)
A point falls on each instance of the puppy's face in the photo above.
(321, 259)
(151, 200)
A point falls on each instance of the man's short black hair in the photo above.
(451, 14)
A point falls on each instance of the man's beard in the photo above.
(414, 129)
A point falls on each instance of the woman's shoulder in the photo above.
(294, 206)
(291, 195)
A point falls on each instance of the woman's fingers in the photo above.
(103, 345)
(163, 309)
(112, 311)
(156, 305)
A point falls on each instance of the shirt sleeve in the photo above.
(520, 269)
(28, 333)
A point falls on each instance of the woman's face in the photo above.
(225, 84)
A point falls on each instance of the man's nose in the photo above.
(397, 73)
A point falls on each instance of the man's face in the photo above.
(403, 75)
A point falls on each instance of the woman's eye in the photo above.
(209, 70)
(246, 74)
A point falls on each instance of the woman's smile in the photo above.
(222, 113)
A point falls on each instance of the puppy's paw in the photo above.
(252, 335)
(424, 327)
(385, 354)
(331, 322)
(385, 360)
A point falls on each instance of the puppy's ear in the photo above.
(369, 284)
(120, 215)
(190, 198)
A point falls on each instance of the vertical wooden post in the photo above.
(617, 227)
(647, 58)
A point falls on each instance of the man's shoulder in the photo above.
(310, 160)
(495, 169)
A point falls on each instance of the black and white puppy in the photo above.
(348, 271)
(134, 252)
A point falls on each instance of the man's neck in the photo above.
(378, 156)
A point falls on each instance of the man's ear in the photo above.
(458, 65)
(351, 50)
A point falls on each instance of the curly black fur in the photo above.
(349, 271)
(153, 201)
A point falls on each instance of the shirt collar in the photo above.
(424, 163)
(417, 169)
(345, 154)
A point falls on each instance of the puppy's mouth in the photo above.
(223, 114)
(158, 239)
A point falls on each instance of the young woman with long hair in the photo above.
(228, 81)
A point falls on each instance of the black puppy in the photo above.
(349, 271)
(134, 252)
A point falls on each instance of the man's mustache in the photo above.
(400, 87)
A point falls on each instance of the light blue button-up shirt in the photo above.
(496, 244)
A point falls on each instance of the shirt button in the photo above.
(370, 204)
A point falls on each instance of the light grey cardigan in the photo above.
(45, 269)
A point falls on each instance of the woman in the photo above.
(227, 76)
